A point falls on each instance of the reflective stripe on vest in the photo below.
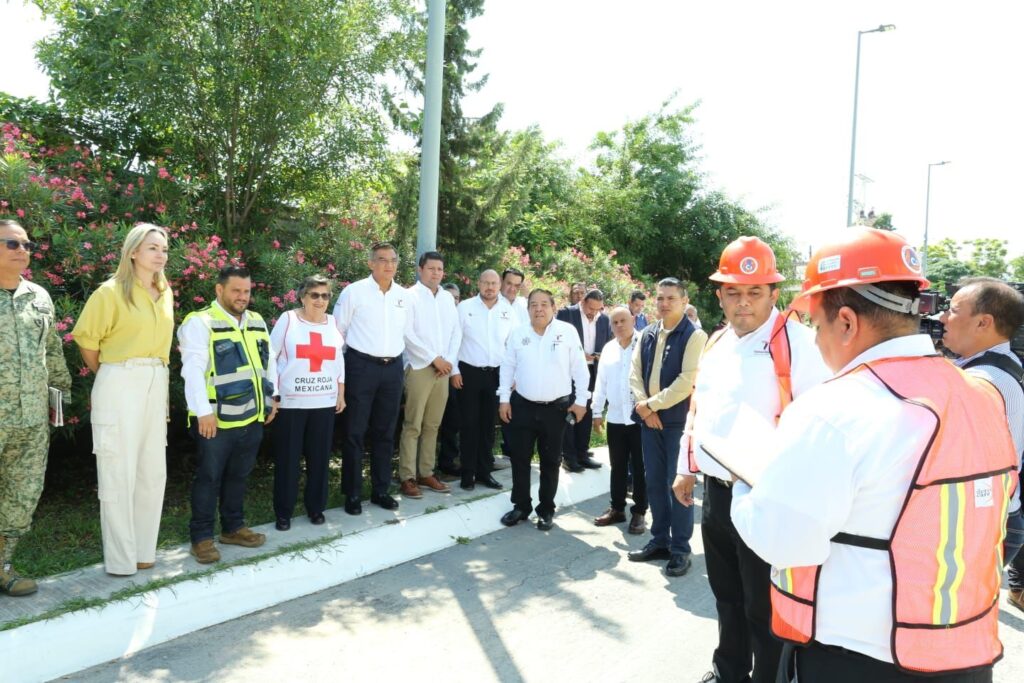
(946, 546)
(782, 361)
(236, 382)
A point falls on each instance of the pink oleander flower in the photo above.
(73, 420)
(68, 338)
(84, 371)
(199, 299)
(87, 245)
(162, 173)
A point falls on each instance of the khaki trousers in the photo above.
(425, 399)
(129, 436)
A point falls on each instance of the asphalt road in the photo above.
(516, 605)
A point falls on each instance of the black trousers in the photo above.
(543, 425)
(478, 400)
(625, 451)
(819, 663)
(448, 435)
(373, 394)
(302, 434)
(223, 464)
(576, 438)
(740, 582)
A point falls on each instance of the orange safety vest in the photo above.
(782, 359)
(946, 547)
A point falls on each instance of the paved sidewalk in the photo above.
(515, 605)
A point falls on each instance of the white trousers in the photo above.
(129, 436)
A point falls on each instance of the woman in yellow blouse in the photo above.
(124, 334)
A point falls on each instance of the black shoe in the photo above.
(544, 522)
(514, 516)
(649, 552)
(590, 463)
(678, 564)
(318, 518)
(385, 501)
(283, 524)
(571, 465)
(353, 506)
(467, 485)
(489, 481)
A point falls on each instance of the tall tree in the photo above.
(259, 98)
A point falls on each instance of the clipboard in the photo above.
(745, 468)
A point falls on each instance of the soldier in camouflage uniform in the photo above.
(31, 359)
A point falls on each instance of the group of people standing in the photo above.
(861, 493)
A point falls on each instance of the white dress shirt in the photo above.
(1013, 399)
(194, 346)
(544, 367)
(484, 331)
(844, 454)
(738, 371)
(371, 321)
(433, 327)
(612, 382)
(589, 333)
(521, 309)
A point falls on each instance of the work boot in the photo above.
(434, 484)
(14, 585)
(245, 537)
(1016, 598)
(205, 552)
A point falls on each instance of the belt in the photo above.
(485, 368)
(379, 360)
(561, 399)
(137, 362)
(721, 482)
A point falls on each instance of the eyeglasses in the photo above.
(14, 244)
(387, 261)
(326, 296)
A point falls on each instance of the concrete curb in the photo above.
(48, 649)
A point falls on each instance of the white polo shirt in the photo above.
(484, 331)
(737, 372)
(544, 367)
(611, 385)
(843, 458)
(371, 321)
(433, 328)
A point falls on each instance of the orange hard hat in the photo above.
(861, 257)
(747, 261)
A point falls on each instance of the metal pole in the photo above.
(927, 206)
(430, 149)
(853, 141)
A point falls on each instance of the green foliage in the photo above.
(1016, 268)
(260, 100)
(884, 222)
(988, 257)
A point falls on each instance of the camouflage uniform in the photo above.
(31, 359)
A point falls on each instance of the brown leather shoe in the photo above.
(1016, 598)
(145, 565)
(409, 489)
(434, 484)
(245, 537)
(637, 523)
(205, 552)
(610, 516)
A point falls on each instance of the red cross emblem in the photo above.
(315, 351)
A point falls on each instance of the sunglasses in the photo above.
(14, 244)
(326, 296)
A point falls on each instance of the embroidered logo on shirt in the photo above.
(400, 303)
(504, 315)
(526, 341)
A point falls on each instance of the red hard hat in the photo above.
(747, 261)
(862, 256)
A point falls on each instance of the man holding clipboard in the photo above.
(748, 373)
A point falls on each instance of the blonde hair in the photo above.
(124, 276)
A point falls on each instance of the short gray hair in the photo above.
(312, 282)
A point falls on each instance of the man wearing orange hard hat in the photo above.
(883, 508)
(749, 372)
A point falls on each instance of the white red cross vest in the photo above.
(946, 547)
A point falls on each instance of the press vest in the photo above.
(946, 547)
(236, 382)
(671, 363)
(782, 360)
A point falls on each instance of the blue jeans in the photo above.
(1011, 545)
(224, 464)
(672, 524)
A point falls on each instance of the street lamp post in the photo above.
(927, 206)
(853, 144)
(430, 150)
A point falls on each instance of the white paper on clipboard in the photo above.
(747, 450)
